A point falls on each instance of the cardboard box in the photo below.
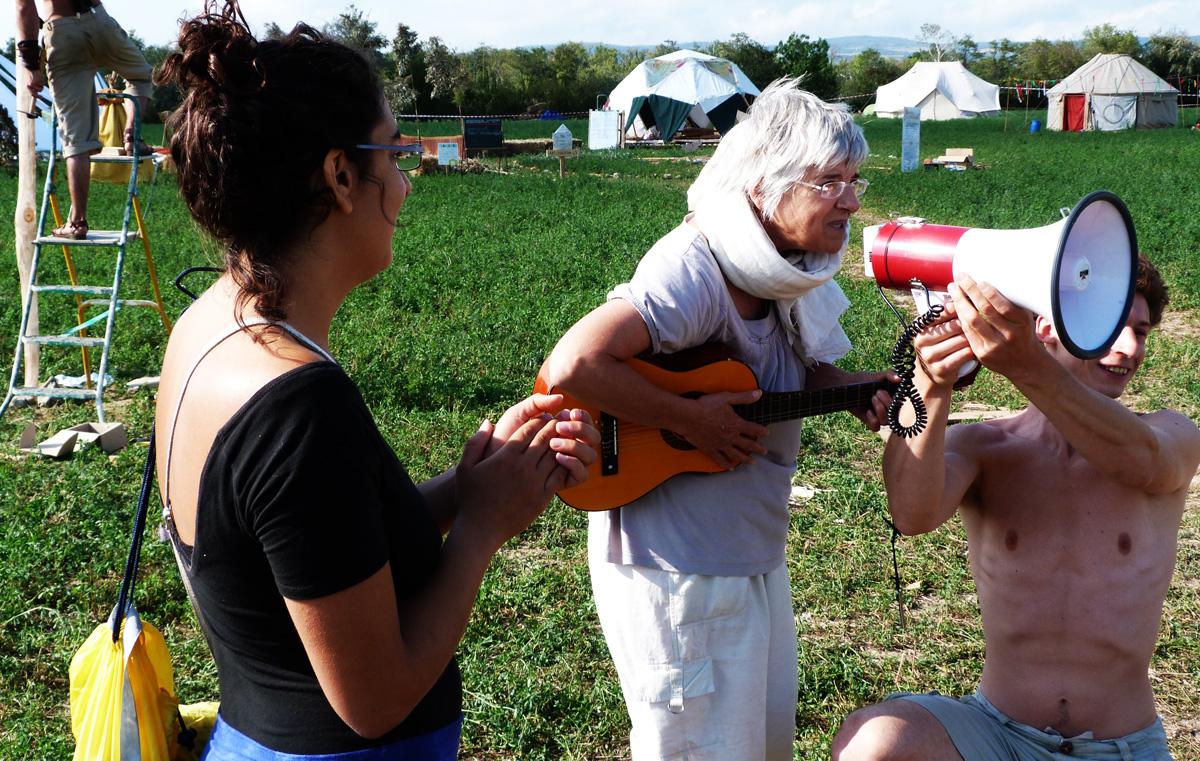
(146, 381)
(958, 156)
(58, 447)
(111, 437)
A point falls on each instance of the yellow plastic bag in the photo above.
(199, 718)
(112, 134)
(123, 694)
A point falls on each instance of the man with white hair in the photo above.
(690, 580)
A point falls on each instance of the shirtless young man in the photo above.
(80, 37)
(1072, 509)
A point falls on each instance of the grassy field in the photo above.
(489, 270)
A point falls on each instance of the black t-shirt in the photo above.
(301, 497)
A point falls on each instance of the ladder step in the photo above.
(94, 238)
(82, 290)
(103, 158)
(63, 341)
(60, 393)
(121, 303)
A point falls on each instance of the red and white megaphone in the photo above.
(1080, 272)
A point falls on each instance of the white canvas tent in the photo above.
(8, 99)
(942, 90)
(667, 92)
(1111, 92)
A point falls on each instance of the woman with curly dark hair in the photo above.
(318, 569)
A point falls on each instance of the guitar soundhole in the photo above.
(675, 441)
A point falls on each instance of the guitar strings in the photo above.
(635, 435)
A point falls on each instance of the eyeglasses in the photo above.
(835, 189)
(408, 157)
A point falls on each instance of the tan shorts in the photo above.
(76, 46)
(981, 733)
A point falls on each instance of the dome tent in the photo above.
(1112, 92)
(942, 90)
(8, 100)
(667, 91)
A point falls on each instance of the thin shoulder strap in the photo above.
(124, 600)
(214, 343)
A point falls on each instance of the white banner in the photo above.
(448, 154)
(1114, 112)
(604, 130)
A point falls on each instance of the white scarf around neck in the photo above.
(809, 301)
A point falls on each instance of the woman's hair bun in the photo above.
(256, 122)
(216, 51)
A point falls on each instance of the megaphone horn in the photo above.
(1080, 272)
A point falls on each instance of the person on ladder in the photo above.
(80, 37)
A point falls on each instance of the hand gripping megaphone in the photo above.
(1080, 272)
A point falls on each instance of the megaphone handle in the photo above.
(926, 300)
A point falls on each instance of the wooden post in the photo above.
(25, 219)
(562, 155)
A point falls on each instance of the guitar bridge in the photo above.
(608, 445)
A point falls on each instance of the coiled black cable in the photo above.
(904, 362)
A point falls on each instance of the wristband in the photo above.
(31, 54)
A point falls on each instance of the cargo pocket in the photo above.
(671, 694)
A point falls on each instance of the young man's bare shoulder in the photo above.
(985, 434)
(1168, 417)
(1179, 429)
(990, 429)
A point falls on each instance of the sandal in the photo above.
(73, 230)
(143, 148)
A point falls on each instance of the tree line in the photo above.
(1170, 54)
(430, 78)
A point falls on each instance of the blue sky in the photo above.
(467, 24)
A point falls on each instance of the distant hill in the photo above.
(898, 47)
(888, 47)
(841, 47)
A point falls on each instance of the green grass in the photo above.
(489, 270)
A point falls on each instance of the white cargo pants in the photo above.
(708, 664)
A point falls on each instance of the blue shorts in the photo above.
(227, 744)
(981, 733)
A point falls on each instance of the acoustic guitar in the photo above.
(635, 459)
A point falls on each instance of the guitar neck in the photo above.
(777, 407)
